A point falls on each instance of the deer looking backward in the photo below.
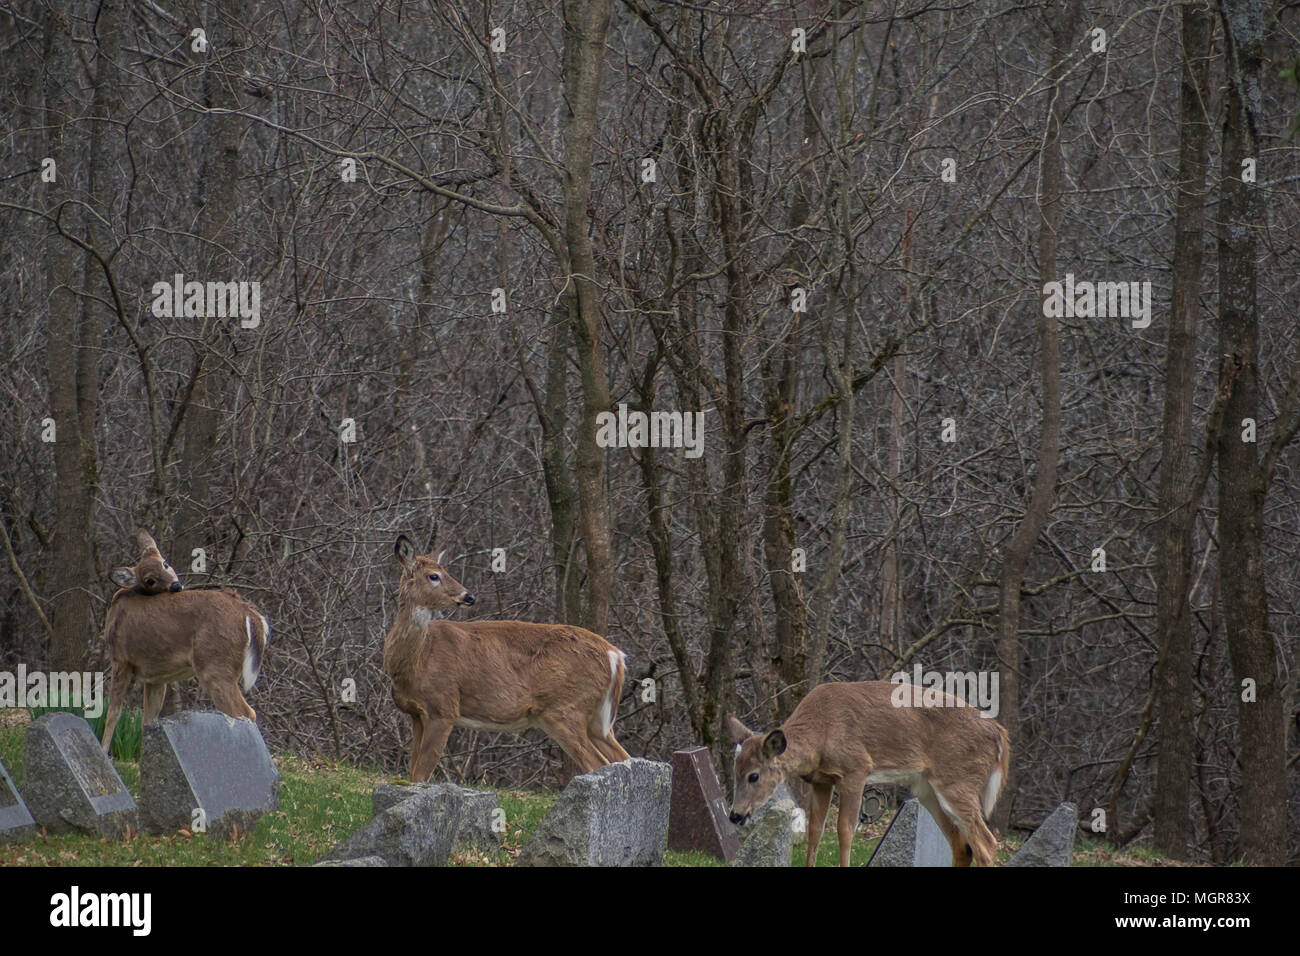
(495, 675)
(846, 736)
(160, 633)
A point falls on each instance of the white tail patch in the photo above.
(604, 721)
(252, 655)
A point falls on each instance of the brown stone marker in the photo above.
(697, 819)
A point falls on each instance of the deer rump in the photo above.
(499, 675)
(196, 623)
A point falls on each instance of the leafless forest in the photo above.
(829, 226)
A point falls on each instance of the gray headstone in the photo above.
(16, 822)
(204, 760)
(698, 818)
(1053, 842)
(767, 839)
(614, 816)
(70, 782)
(359, 861)
(480, 825)
(417, 831)
(913, 839)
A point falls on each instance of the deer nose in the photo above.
(176, 586)
(467, 600)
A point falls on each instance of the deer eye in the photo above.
(435, 578)
(753, 777)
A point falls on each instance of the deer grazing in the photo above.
(160, 633)
(846, 736)
(495, 675)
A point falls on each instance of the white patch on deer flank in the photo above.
(473, 724)
(250, 668)
(605, 716)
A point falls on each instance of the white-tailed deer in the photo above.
(496, 675)
(160, 633)
(846, 736)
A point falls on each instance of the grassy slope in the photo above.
(321, 804)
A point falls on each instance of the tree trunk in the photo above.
(1051, 208)
(1178, 512)
(585, 25)
(1261, 794)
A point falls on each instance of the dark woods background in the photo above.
(525, 170)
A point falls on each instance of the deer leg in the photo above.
(818, 807)
(609, 748)
(226, 695)
(433, 741)
(573, 736)
(119, 679)
(417, 736)
(154, 695)
(850, 804)
(961, 851)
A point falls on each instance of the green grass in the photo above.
(126, 736)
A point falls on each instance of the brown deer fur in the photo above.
(846, 736)
(496, 675)
(159, 633)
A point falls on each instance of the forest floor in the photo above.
(322, 803)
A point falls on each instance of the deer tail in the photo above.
(993, 788)
(259, 634)
(603, 722)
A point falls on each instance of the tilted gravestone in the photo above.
(614, 816)
(70, 782)
(913, 839)
(418, 831)
(698, 817)
(767, 838)
(359, 861)
(16, 822)
(205, 772)
(1053, 842)
(482, 823)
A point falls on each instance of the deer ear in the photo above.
(122, 577)
(404, 550)
(441, 554)
(773, 745)
(145, 540)
(737, 730)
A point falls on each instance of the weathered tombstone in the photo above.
(1053, 842)
(768, 838)
(913, 839)
(16, 821)
(417, 831)
(481, 825)
(70, 782)
(205, 772)
(614, 816)
(698, 819)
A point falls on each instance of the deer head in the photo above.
(152, 574)
(426, 586)
(757, 770)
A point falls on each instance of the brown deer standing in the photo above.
(496, 675)
(846, 736)
(160, 633)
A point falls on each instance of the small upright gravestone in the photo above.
(614, 816)
(1053, 842)
(16, 822)
(70, 782)
(481, 824)
(206, 772)
(913, 839)
(768, 838)
(698, 817)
